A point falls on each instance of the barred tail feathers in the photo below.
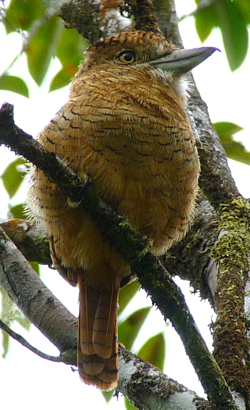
(97, 338)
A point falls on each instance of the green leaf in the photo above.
(17, 212)
(205, 21)
(9, 314)
(63, 77)
(231, 21)
(22, 14)
(12, 176)
(70, 53)
(130, 327)
(108, 395)
(126, 294)
(71, 47)
(154, 350)
(128, 405)
(42, 48)
(244, 5)
(14, 84)
(232, 18)
(36, 267)
(237, 152)
(234, 149)
(226, 130)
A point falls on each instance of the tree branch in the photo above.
(149, 389)
(30, 239)
(26, 344)
(144, 15)
(37, 303)
(85, 18)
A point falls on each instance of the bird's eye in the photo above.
(126, 57)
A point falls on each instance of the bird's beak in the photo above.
(182, 61)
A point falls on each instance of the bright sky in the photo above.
(29, 381)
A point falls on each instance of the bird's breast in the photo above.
(137, 144)
(142, 157)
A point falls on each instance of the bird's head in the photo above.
(140, 47)
(140, 57)
(130, 51)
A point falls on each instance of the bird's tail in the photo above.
(97, 337)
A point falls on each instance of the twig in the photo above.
(26, 344)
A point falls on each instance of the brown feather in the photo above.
(98, 343)
(125, 125)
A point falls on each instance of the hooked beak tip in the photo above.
(182, 61)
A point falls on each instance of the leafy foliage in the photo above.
(44, 38)
(41, 47)
(14, 84)
(129, 328)
(17, 211)
(154, 350)
(13, 176)
(9, 314)
(69, 51)
(234, 149)
(23, 14)
(232, 18)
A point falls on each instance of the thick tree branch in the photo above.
(36, 302)
(148, 388)
(231, 253)
(30, 239)
(92, 19)
(85, 18)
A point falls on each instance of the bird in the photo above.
(124, 125)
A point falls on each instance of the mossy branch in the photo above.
(231, 254)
